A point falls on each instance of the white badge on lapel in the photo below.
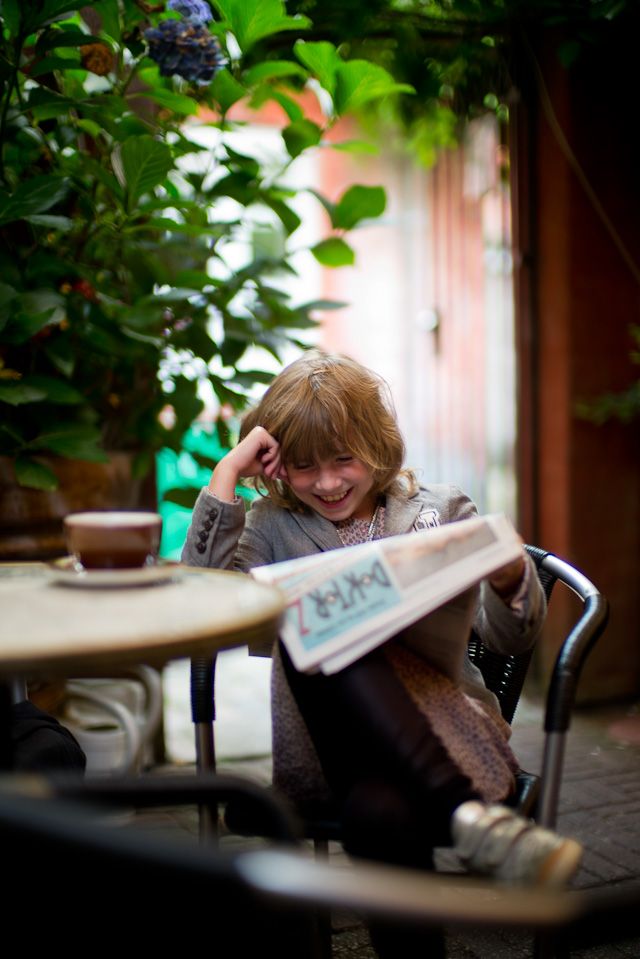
(427, 519)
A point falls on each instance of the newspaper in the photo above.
(344, 602)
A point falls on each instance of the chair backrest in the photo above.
(505, 675)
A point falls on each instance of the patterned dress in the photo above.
(475, 736)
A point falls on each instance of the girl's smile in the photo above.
(337, 488)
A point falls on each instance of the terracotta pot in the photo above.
(31, 520)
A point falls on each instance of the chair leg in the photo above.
(323, 916)
(203, 714)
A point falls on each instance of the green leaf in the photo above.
(145, 164)
(226, 90)
(173, 226)
(322, 59)
(55, 390)
(54, 38)
(35, 195)
(76, 442)
(107, 179)
(60, 352)
(177, 102)
(359, 203)
(358, 81)
(46, 105)
(49, 64)
(322, 305)
(293, 110)
(91, 127)
(16, 393)
(181, 497)
(15, 435)
(290, 220)
(141, 464)
(24, 325)
(28, 16)
(52, 9)
(109, 13)
(356, 146)
(194, 279)
(272, 70)
(62, 223)
(327, 204)
(11, 15)
(7, 294)
(253, 20)
(156, 342)
(333, 252)
(35, 301)
(300, 136)
(34, 475)
(206, 462)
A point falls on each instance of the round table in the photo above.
(46, 627)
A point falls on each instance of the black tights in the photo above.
(394, 779)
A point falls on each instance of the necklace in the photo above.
(372, 524)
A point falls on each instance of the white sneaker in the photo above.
(494, 841)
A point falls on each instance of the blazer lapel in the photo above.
(400, 514)
(321, 531)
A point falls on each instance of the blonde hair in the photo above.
(324, 402)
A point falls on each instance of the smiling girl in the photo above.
(411, 759)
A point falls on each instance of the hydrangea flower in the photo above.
(196, 9)
(185, 48)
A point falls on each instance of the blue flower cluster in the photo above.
(186, 48)
(197, 9)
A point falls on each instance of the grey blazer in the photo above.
(223, 535)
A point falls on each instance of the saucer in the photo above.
(67, 572)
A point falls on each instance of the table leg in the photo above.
(6, 744)
(203, 713)
(11, 691)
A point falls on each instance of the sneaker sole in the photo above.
(561, 865)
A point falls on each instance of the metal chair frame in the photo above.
(537, 796)
(505, 675)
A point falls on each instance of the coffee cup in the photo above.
(125, 539)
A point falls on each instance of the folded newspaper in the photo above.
(344, 602)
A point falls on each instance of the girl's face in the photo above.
(337, 488)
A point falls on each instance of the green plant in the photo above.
(623, 406)
(118, 299)
(464, 58)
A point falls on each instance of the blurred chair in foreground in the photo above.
(72, 873)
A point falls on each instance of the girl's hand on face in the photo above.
(257, 454)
